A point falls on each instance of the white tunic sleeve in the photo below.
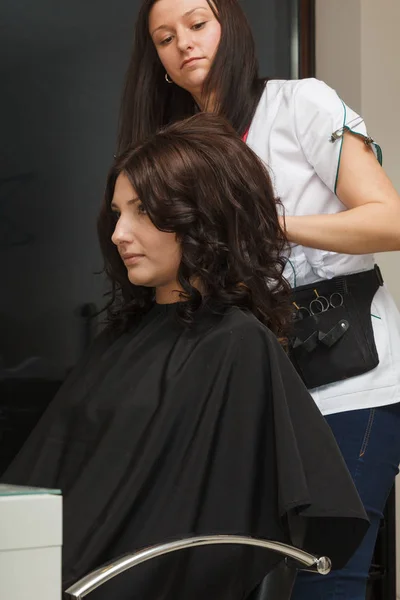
(321, 119)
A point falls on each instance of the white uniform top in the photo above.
(291, 132)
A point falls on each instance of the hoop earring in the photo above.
(167, 79)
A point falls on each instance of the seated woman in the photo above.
(186, 416)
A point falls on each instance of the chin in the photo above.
(195, 83)
(140, 281)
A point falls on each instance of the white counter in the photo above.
(30, 543)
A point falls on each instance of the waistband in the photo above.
(345, 284)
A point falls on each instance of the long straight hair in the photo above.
(149, 102)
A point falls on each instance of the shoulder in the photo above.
(248, 347)
(311, 89)
(302, 95)
(300, 106)
(314, 111)
(238, 329)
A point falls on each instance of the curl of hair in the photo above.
(198, 179)
(149, 103)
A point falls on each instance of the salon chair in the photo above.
(276, 586)
(279, 583)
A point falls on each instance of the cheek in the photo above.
(172, 252)
(166, 58)
(167, 248)
(213, 38)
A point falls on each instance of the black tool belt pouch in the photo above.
(332, 337)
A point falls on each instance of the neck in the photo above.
(206, 104)
(172, 293)
(168, 294)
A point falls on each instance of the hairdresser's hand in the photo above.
(372, 221)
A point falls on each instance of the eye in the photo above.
(141, 209)
(166, 41)
(115, 214)
(198, 26)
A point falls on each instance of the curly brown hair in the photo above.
(197, 178)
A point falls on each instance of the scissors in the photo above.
(319, 304)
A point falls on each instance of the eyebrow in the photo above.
(130, 202)
(184, 16)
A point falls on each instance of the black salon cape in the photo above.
(165, 432)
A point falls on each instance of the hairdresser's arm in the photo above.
(372, 221)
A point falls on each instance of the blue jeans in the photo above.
(370, 443)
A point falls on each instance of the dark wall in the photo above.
(61, 69)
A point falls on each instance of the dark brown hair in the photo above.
(149, 103)
(198, 179)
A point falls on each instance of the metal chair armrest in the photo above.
(99, 576)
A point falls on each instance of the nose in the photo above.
(184, 39)
(123, 233)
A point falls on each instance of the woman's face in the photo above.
(186, 35)
(151, 257)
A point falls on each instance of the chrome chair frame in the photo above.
(98, 577)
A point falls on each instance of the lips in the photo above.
(190, 60)
(131, 259)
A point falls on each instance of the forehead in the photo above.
(169, 11)
(123, 190)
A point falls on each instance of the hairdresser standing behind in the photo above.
(340, 208)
